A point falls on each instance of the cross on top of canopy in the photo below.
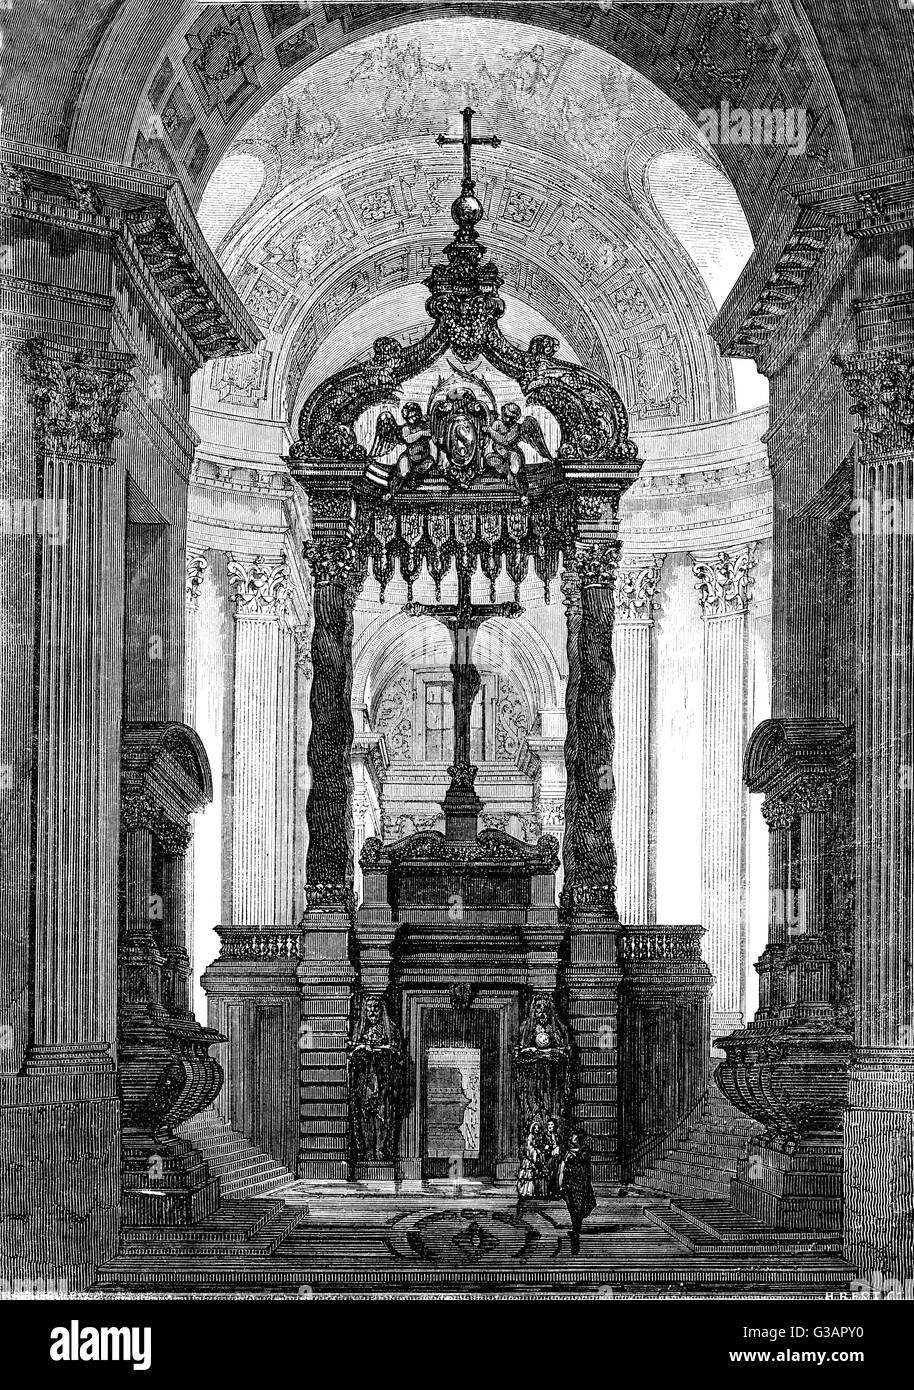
(461, 442)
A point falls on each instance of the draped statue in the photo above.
(542, 1064)
(375, 1081)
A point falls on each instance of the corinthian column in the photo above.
(637, 582)
(879, 1128)
(76, 401)
(59, 1142)
(326, 974)
(591, 738)
(592, 972)
(264, 659)
(724, 583)
(196, 565)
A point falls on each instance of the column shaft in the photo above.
(325, 973)
(263, 711)
(879, 1128)
(724, 585)
(635, 590)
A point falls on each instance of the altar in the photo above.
(462, 1000)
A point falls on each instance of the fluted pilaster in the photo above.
(879, 1129)
(724, 584)
(76, 400)
(263, 710)
(196, 566)
(636, 587)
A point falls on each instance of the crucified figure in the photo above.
(462, 620)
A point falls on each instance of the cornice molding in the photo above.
(809, 239)
(85, 193)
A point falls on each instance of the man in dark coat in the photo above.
(575, 1185)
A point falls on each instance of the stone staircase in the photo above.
(703, 1160)
(242, 1169)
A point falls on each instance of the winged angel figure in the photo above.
(504, 454)
(461, 438)
(419, 456)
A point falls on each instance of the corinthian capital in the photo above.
(337, 562)
(195, 568)
(725, 582)
(259, 586)
(77, 400)
(596, 564)
(882, 384)
(635, 589)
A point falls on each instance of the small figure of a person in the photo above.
(575, 1185)
(532, 1174)
(526, 1183)
(552, 1154)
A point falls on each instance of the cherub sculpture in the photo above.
(418, 457)
(503, 452)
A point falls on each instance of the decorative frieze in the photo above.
(646, 943)
(247, 943)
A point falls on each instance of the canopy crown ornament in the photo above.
(462, 443)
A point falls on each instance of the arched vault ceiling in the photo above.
(173, 83)
(609, 277)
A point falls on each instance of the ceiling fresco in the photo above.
(312, 222)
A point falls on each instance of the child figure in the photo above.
(530, 1175)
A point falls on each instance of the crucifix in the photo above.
(462, 620)
(468, 140)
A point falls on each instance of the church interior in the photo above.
(457, 675)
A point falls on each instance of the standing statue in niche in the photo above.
(542, 1065)
(375, 1081)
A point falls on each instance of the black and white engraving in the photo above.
(458, 702)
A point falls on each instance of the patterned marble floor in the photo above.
(316, 1241)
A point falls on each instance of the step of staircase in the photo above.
(702, 1162)
(707, 1227)
(242, 1169)
(241, 1230)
